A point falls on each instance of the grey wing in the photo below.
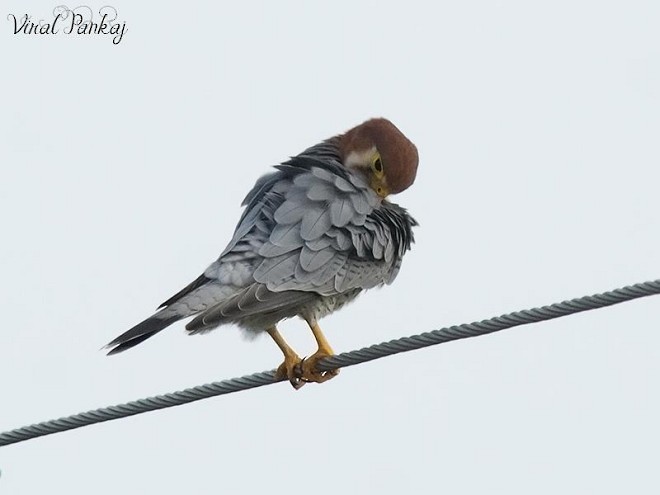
(318, 231)
(333, 234)
(318, 243)
(309, 230)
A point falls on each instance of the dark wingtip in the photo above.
(128, 344)
(139, 333)
(195, 284)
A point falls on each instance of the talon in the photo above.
(309, 371)
(300, 371)
(290, 369)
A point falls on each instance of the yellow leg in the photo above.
(309, 371)
(290, 367)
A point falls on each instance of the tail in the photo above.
(142, 331)
(204, 292)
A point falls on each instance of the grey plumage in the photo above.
(312, 236)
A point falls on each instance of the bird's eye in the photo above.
(377, 165)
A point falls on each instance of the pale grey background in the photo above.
(123, 168)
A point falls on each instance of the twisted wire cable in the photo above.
(376, 351)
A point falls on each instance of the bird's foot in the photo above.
(290, 369)
(309, 371)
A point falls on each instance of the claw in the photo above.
(309, 371)
(290, 369)
(300, 371)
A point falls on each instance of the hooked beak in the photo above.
(380, 187)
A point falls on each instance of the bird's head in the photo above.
(380, 153)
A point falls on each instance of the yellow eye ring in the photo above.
(377, 165)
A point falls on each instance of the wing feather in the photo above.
(252, 301)
(341, 212)
(312, 228)
(311, 260)
(315, 223)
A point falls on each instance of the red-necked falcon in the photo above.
(314, 234)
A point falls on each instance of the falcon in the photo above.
(314, 234)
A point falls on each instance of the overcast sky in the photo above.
(123, 168)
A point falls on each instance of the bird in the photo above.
(315, 233)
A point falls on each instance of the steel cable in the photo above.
(376, 351)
